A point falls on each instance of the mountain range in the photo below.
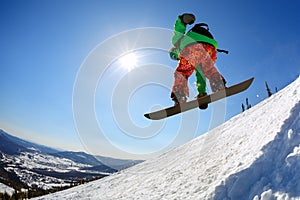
(25, 164)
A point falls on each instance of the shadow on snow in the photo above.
(277, 169)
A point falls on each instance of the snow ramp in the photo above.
(254, 155)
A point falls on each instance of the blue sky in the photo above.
(44, 45)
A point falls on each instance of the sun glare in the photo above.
(129, 61)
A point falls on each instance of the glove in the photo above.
(187, 18)
(174, 53)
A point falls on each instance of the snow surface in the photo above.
(255, 155)
(6, 189)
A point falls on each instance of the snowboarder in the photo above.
(195, 50)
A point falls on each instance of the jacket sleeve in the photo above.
(179, 31)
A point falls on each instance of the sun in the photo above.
(129, 61)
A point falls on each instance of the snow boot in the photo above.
(203, 106)
(217, 83)
(178, 97)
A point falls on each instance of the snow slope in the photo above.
(6, 189)
(255, 155)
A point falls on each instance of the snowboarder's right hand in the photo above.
(187, 18)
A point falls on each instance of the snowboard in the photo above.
(228, 91)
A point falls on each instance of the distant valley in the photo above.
(28, 166)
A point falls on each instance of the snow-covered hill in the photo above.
(255, 155)
(6, 189)
(25, 164)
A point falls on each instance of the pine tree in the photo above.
(268, 90)
(15, 195)
(248, 104)
(5, 196)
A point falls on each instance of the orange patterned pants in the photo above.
(191, 57)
